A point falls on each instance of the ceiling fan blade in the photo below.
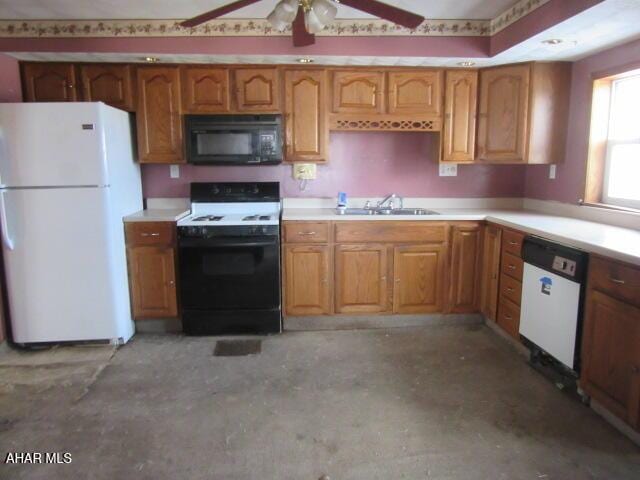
(218, 12)
(301, 38)
(386, 12)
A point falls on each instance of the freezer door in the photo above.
(52, 144)
(64, 276)
(549, 313)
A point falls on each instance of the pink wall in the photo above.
(363, 164)
(10, 89)
(570, 176)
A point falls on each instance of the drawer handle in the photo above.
(512, 267)
(509, 289)
(617, 280)
(511, 242)
(383, 278)
(508, 317)
(306, 233)
(151, 234)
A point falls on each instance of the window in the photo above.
(613, 170)
(622, 164)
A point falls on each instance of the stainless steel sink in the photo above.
(385, 211)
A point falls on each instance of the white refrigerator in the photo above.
(67, 177)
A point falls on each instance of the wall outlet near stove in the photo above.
(448, 169)
(304, 171)
(552, 172)
(174, 171)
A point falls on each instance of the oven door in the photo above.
(230, 273)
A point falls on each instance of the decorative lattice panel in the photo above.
(386, 124)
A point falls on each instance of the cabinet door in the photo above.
(305, 113)
(490, 271)
(361, 278)
(418, 278)
(108, 83)
(205, 90)
(358, 92)
(49, 82)
(257, 89)
(459, 135)
(503, 122)
(464, 291)
(416, 92)
(153, 282)
(158, 115)
(307, 273)
(611, 355)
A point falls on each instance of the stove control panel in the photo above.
(211, 231)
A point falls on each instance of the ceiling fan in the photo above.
(308, 17)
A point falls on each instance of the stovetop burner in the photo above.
(208, 218)
(253, 218)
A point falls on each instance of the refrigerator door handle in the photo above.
(6, 239)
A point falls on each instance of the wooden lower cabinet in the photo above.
(464, 291)
(307, 271)
(611, 355)
(491, 247)
(152, 279)
(418, 278)
(509, 317)
(361, 278)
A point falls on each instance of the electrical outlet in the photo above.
(552, 172)
(304, 171)
(174, 171)
(448, 169)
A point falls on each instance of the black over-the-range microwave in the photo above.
(233, 139)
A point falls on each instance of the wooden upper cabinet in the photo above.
(417, 92)
(257, 89)
(358, 91)
(611, 356)
(305, 115)
(159, 115)
(205, 90)
(108, 83)
(49, 82)
(503, 116)
(361, 278)
(491, 247)
(307, 273)
(459, 130)
(418, 278)
(465, 268)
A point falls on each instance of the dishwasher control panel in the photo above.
(564, 265)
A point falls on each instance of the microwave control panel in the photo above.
(267, 144)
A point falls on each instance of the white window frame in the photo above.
(620, 202)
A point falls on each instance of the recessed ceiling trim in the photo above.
(259, 27)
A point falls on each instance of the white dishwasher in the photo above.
(552, 298)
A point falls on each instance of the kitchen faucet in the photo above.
(390, 198)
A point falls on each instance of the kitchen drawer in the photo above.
(306, 232)
(617, 279)
(512, 266)
(510, 288)
(509, 317)
(391, 232)
(150, 233)
(512, 242)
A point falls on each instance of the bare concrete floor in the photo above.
(415, 403)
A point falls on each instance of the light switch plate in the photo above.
(304, 171)
(552, 172)
(174, 171)
(448, 169)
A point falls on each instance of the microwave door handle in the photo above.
(6, 238)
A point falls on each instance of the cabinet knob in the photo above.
(172, 282)
(635, 369)
(383, 278)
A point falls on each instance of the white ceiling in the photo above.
(170, 9)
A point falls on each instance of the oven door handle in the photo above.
(211, 243)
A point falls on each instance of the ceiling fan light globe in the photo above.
(288, 9)
(312, 22)
(325, 10)
(277, 22)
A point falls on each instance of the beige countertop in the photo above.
(157, 215)
(615, 242)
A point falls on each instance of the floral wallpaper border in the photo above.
(250, 28)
